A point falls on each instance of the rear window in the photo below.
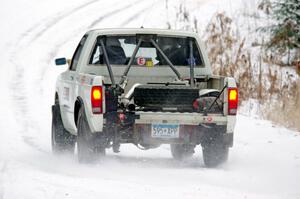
(120, 50)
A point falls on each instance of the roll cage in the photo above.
(145, 39)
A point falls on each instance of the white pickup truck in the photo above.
(146, 87)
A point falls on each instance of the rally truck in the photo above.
(145, 87)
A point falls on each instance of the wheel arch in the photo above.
(56, 98)
(78, 104)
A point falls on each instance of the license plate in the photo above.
(165, 130)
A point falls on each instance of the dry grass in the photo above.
(287, 112)
(229, 57)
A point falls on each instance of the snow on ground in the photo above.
(264, 163)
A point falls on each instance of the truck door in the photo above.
(69, 89)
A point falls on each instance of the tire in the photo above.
(182, 151)
(61, 139)
(90, 146)
(214, 154)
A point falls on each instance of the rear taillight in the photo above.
(96, 99)
(232, 101)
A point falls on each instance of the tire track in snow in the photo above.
(59, 18)
(46, 26)
(138, 14)
(114, 12)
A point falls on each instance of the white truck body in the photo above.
(75, 85)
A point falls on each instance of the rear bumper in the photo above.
(195, 128)
(180, 118)
(188, 134)
(187, 119)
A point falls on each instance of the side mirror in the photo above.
(60, 61)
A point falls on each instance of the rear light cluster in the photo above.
(232, 101)
(97, 99)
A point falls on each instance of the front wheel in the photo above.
(90, 147)
(182, 151)
(61, 139)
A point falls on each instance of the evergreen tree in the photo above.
(285, 33)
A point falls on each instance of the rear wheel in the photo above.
(90, 146)
(61, 139)
(214, 154)
(182, 151)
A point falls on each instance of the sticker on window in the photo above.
(149, 63)
(141, 61)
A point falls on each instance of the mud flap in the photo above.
(227, 139)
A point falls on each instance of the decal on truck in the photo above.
(66, 93)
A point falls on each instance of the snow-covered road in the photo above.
(264, 163)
